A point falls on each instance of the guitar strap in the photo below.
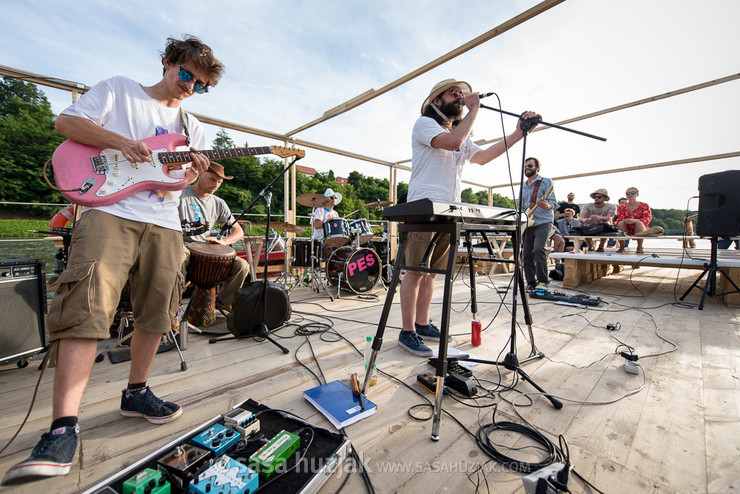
(533, 199)
(184, 121)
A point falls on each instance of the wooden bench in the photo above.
(580, 239)
(585, 268)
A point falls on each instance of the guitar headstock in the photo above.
(285, 152)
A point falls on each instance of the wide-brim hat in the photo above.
(218, 170)
(443, 86)
(603, 192)
(329, 193)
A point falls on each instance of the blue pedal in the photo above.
(217, 438)
(225, 476)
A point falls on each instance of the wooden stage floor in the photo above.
(679, 433)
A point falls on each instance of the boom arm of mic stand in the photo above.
(531, 122)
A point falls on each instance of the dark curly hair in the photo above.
(192, 49)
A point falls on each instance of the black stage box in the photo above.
(323, 452)
(22, 309)
(719, 204)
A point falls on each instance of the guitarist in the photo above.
(140, 235)
(540, 199)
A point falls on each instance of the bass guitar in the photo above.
(530, 211)
(94, 176)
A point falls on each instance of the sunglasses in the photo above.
(186, 76)
(598, 196)
(634, 192)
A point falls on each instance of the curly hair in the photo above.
(192, 49)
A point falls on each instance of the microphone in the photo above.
(481, 95)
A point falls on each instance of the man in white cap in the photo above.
(200, 210)
(324, 213)
(439, 152)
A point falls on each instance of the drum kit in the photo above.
(347, 252)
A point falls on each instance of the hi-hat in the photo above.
(284, 227)
(312, 200)
(378, 204)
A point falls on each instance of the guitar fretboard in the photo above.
(178, 157)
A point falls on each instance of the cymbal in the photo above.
(378, 204)
(312, 200)
(287, 227)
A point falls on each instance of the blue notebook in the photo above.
(336, 402)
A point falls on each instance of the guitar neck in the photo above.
(180, 157)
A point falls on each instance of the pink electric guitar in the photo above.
(93, 176)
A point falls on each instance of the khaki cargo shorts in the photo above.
(417, 244)
(103, 251)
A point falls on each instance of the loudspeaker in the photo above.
(245, 317)
(719, 204)
(22, 309)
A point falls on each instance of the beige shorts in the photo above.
(417, 244)
(103, 251)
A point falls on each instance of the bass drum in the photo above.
(352, 269)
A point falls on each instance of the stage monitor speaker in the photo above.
(22, 309)
(245, 317)
(719, 204)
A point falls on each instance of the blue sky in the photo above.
(287, 62)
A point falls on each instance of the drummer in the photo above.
(199, 210)
(322, 214)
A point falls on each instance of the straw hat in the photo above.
(329, 193)
(603, 192)
(218, 170)
(443, 86)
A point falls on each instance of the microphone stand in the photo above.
(266, 193)
(511, 361)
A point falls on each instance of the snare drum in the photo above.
(209, 263)
(361, 230)
(353, 269)
(336, 232)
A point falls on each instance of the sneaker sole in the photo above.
(153, 420)
(420, 353)
(30, 471)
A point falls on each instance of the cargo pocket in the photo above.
(71, 303)
(177, 291)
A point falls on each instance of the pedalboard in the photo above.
(581, 299)
(226, 476)
(269, 457)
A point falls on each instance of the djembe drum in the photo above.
(209, 265)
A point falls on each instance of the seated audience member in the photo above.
(599, 212)
(560, 212)
(566, 226)
(633, 217)
(558, 242)
(612, 242)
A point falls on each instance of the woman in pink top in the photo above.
(633, 217)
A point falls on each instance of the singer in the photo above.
(199, 211)
(441, 145)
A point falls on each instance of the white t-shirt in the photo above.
(436, 173)
(120, 105)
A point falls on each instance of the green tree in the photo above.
(222, 140)
(27, 141)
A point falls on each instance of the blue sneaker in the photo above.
(52, 456)
(143, 403)
(430, 331)
(414, 343)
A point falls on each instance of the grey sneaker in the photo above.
(430, 331)
(414, 343)
(53, 455)
(143, 403)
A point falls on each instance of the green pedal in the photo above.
(269, 457)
